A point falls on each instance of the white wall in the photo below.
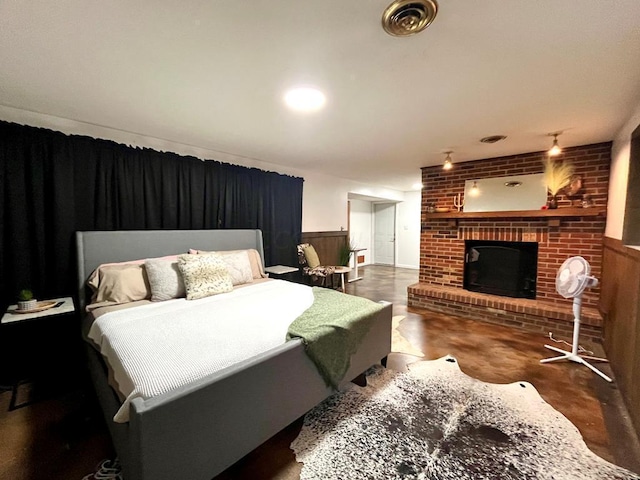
(324, 201)
(325, 198)
(620, 152)
(361, 227)
(408, 230)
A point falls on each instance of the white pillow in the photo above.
(165, 279)
(204, 275)
(238, 265)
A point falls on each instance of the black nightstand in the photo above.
(41, 351)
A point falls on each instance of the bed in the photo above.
(198, 430)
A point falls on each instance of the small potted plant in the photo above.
(345, 252)
(26, 300)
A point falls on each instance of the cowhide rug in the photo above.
(435, 422)
(399, 344)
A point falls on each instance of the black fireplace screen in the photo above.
(501, 268)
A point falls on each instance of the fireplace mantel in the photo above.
(553, 215)
(557, 212)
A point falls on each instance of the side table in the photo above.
(282, 272)
(13, 316)
(341, 271)
(355, 252)
(39, 347)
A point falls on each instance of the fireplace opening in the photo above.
(501, 268)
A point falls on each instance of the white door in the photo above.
(384, 233)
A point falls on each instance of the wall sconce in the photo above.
(447, 161)
(555, 148)
(475, 191)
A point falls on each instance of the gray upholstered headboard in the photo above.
(95, 248)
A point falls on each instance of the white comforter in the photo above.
(155, 348)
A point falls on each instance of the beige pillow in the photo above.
(94, 279)
(204, 275)
(311, 256)
(121, 284)
(165, 279)
(254, 259)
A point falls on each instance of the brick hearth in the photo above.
(531, 315)
(442, 244)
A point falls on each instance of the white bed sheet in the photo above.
(152, 349)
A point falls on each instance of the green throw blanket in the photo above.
(332, 330)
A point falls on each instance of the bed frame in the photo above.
(197, 431)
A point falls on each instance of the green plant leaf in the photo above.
(25, 295)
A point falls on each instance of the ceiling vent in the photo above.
(408, 17)
(493, 138)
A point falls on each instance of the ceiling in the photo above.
(212, 74)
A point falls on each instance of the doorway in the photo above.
(384, 233)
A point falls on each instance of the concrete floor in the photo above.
(491, 353)
(64, 437)
(499, 354)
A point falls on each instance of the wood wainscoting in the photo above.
(619, 304)
(327, 244)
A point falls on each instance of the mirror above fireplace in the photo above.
(500, 194)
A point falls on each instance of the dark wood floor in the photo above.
(63, 436)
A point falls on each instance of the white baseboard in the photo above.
(412, 267)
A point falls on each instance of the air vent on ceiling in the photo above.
(408, 17)
(493, 138)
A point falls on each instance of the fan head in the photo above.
(573, 277)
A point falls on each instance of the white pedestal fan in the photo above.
(572, 279)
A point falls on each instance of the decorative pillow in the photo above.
(121, 284)
(165, 279)
(238, 265)
(204, 275)
(255, 260)
(311, 256)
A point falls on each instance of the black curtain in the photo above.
(55, 184)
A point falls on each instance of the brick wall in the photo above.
(442, 246)
(590, 161)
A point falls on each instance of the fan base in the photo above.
(576, 358)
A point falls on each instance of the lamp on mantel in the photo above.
(447, 161)
(555, 148)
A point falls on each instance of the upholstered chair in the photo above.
(312, 270)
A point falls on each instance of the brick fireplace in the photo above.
(568, 231)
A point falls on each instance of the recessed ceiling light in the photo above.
(305, 99)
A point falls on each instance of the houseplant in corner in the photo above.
(557, 175)
(26, 300)
(345, 252)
